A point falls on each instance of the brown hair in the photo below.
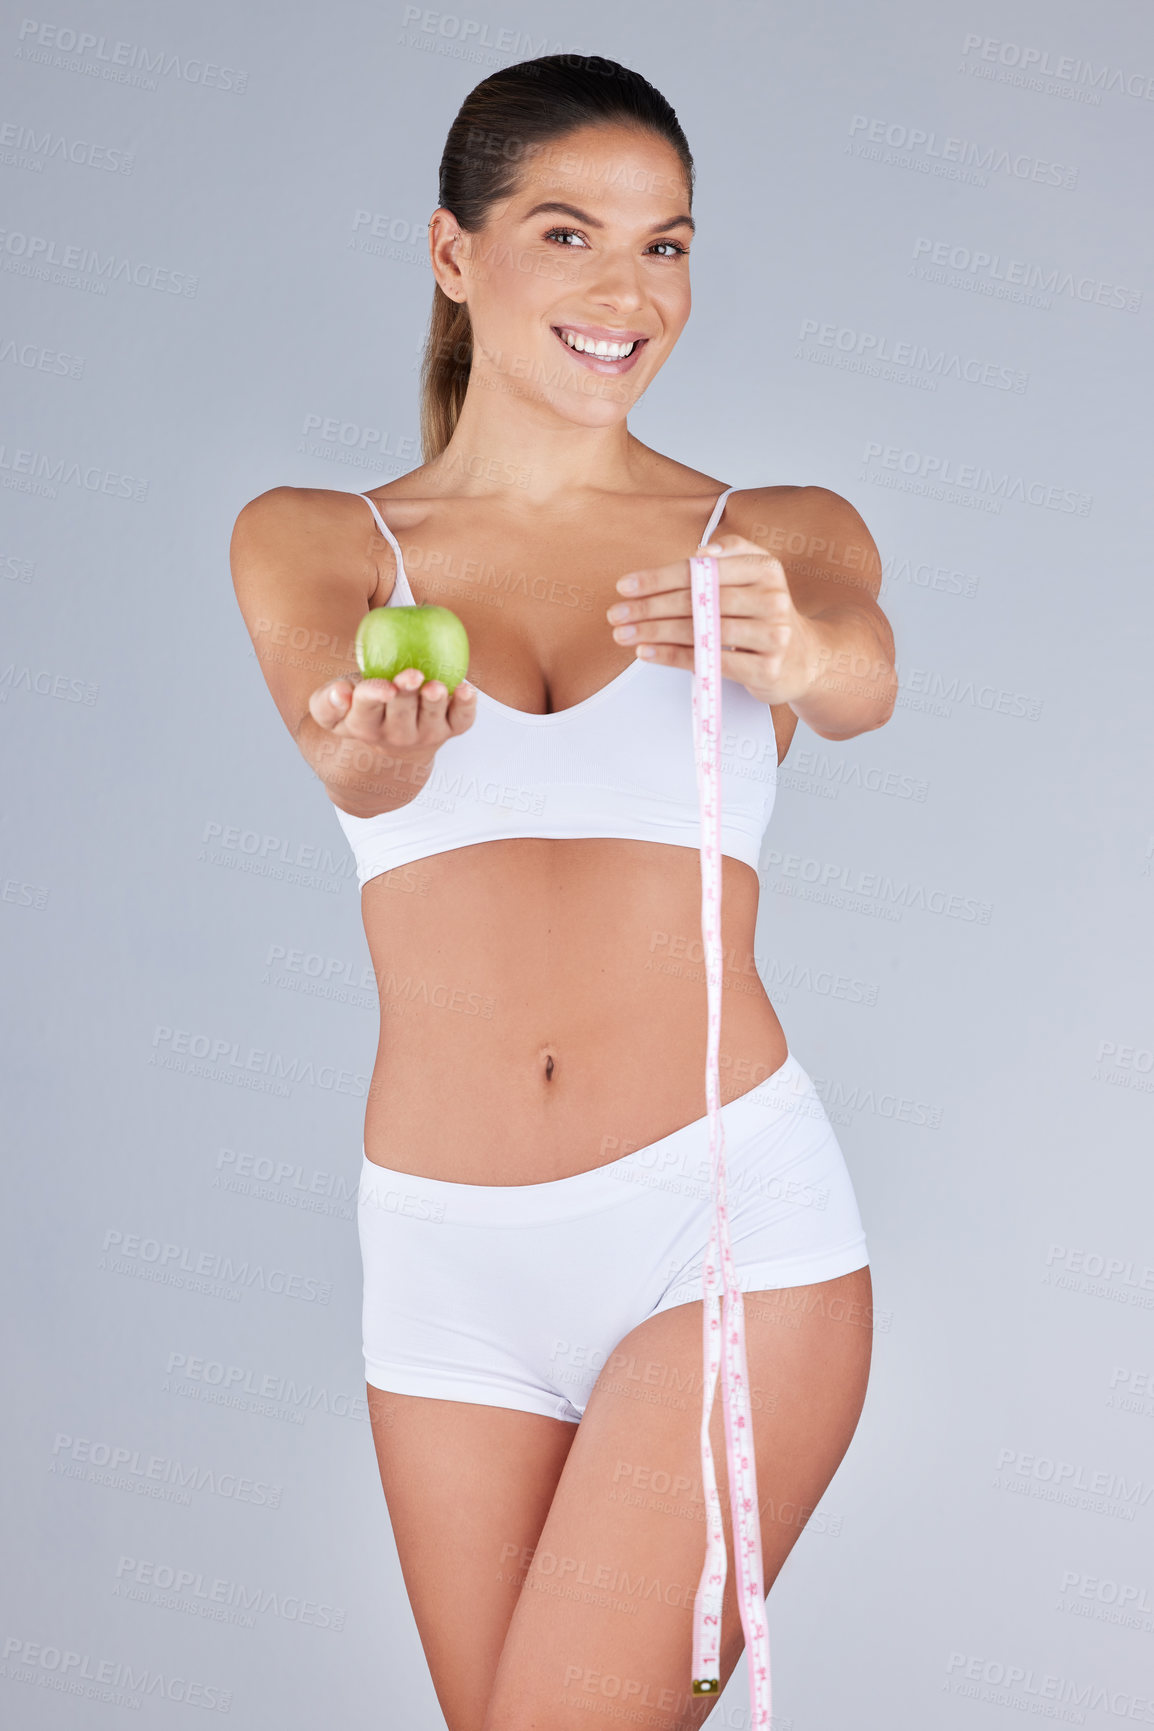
(501, 119)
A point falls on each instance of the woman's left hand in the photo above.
(767, 645)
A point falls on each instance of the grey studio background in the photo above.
(923, 279)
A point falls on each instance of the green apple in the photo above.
(432, 639)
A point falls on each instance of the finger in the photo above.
(757, 634)
(432, 699)
(330, 703)
(668, 604)
(738, 568)
(653, 580)
(750, 603)
(462, 711)
(727, 547)
(738, 664)
(401, 715)
(728, 543)
(369, 706)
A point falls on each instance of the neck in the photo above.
(525, 453)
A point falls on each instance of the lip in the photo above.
(601, 364)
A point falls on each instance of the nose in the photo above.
(617, 283)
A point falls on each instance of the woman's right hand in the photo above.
(406, 716)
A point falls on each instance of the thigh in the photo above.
(605, 1618)
(468, 1489)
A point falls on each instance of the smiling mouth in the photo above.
(606, 362)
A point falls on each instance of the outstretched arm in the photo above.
(800, 623)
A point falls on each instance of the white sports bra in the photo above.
(620, 763)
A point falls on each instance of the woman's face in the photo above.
(592, 246)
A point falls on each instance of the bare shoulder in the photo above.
(312, 538)
(808, 527)
(307, 519)
(304, 571)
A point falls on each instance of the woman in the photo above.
(535, 1202)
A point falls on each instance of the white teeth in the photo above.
(603, 350)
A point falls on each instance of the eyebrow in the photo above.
(592, 222)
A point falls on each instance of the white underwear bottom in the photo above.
(516, 1295)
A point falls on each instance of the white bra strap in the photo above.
(401, 585)
(385, 530)
(715, 518)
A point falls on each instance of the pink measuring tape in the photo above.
(724, 1330)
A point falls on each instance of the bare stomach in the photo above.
(543, 1006)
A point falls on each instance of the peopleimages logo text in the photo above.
(917, 145)
(940, 362)
(973, 478)
(1022, 57)
(1020, 273)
